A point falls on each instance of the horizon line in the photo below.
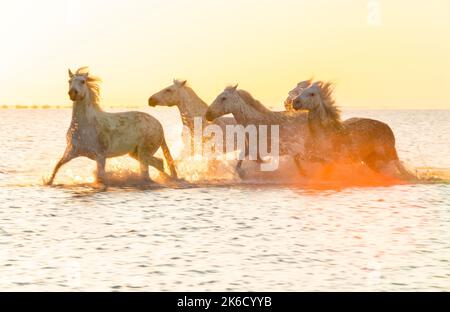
(35, 106)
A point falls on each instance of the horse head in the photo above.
(318, 100)
(223, 104)
(81, 83)
(309, 99)
(169, 96)
(299, 88)
(77, 85)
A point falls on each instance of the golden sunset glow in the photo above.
(394, 54)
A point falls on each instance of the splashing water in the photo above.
(274, 230)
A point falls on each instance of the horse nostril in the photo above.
(152, 102)
(73, 93)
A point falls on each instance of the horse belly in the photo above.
(121, 144)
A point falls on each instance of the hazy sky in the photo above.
(381, 54)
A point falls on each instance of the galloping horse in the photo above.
(99, 135)
(355, 140)
(249, 111)
(191, 106)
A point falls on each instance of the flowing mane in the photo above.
(93, 84)
(250, 100)
(328, 112)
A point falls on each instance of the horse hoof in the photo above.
(47, 182)
(180, 180)
(147, 180)
(100, 181)
(100, 186)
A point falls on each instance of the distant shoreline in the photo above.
(143, 106)
(56, 107)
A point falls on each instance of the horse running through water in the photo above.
(248, 112)
(99, 135)
(191, 106)
(354, 140)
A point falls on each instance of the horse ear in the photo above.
(235, 87)
(180, 83)
(70, 73)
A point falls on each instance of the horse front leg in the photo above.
(298, 158)
(68, 156)
(241, 157)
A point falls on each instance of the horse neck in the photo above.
(191, 106)
(84, 112)
(247, 114)
(319, 119)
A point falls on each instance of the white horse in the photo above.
(248, 111)
(191, 106)
(354, 140)
(99, 135)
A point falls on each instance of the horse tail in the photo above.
(169, 159)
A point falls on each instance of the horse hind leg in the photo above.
(146, 161)
(402, 172)
(101, 175)
(143, 169)
(389, 164)
(169, 159)
(375, 162)
(382, 164)
(156, 162)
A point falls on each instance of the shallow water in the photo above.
(262, 234)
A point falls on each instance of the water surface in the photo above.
(215, 236)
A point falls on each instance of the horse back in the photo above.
(369, 128)
(369, 135)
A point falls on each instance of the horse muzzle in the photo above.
(73, 94)
(296, 105)
(209, 116)
(152, 102)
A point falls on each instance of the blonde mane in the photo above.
(251, 101)
(328, 112)
(93, 84)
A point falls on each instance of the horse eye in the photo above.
(168, 90)
(311, 94)
(223, 99)
(83, 82)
